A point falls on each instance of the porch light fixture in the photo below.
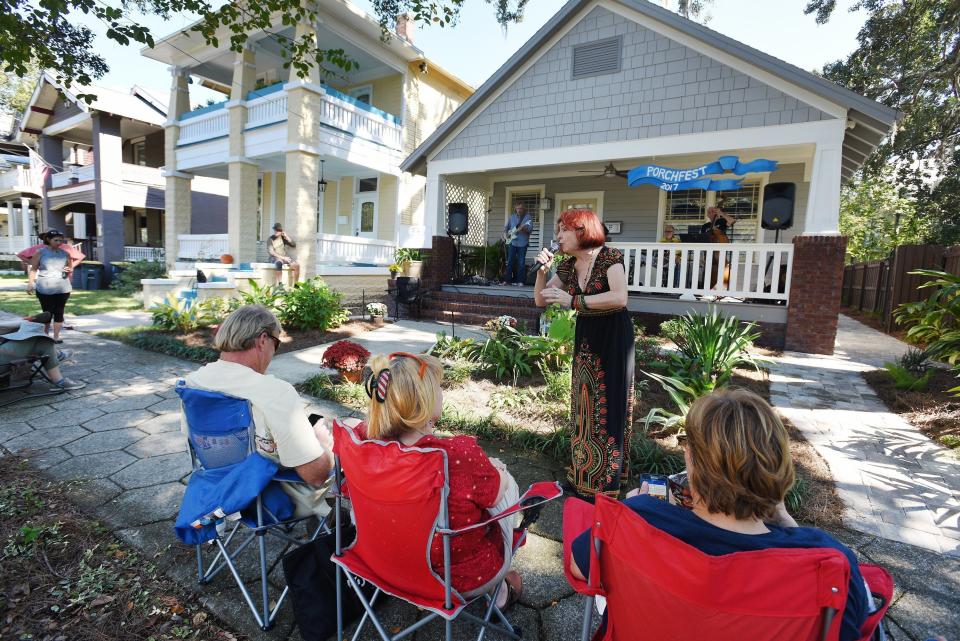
(321, 184)
(546, 204)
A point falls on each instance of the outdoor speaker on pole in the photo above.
(778, 205)
(458, 219)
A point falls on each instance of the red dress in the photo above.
(475, 556)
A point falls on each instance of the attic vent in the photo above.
(597, 58)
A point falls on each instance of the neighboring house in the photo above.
(611, 85)
(105, 186)
(19, 193)
(320, 156)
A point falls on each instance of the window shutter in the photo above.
(597, 58)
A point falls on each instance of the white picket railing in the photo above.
(334, 112)
(359, 122)
(202, 246)
(142, 174)
(740, 270)
(214, 124)
(15, 177)
(14, 244)
(333, 249)
(72, 175)
(267, 110)
(156, 254)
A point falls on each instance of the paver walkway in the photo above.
(894, 481)
(118, 442)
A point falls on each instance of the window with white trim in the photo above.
(685, 208)
(744, 205)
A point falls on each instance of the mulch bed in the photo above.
(934, 412)
(64, 577)
(291, 339)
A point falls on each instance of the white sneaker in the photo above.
(64, 354)
(68, 384)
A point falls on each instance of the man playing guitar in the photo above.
(516, 234)
(718, 226)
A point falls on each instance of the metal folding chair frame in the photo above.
(503, 626)
(36, 369)
(225, 558)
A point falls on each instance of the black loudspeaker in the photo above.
(778, 205)
(458, 219)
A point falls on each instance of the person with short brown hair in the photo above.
(739, 469)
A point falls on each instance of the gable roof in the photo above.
(144, 105)
(873, 121)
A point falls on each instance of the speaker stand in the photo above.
(776, 241)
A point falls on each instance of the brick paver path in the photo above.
(895, 482)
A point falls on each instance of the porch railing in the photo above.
(739, 270)
(197, 246)
(14, 244)
(156, 254)
(17, 177)
(267, 110)
(214, 124)
(142, 174)
(353, 119)
(72, 175)
(333, 249)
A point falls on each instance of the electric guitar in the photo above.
(513, 232)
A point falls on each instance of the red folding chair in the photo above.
(399, 499)
(658, 587)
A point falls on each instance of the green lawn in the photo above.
(81, 302)
(12, 277)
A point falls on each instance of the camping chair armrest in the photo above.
(577, 519)
(536, 496)
(288, 475)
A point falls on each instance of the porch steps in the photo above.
(476, 309)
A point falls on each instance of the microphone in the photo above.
(554, 246)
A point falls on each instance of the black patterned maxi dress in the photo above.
(602, 391)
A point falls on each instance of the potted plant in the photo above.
(348, 358)
(394, 269)
(377, 312)
(226, 259)
(411, 260)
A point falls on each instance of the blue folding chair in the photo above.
(222, 439)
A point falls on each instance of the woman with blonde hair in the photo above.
(405, 403)
(739, 468)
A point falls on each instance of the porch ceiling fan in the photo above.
(607, 172)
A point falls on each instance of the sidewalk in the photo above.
(894, 481)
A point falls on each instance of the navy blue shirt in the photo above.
(686, 526)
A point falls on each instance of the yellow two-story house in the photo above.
(320, 155)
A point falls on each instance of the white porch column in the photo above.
(11, 220)
(178, 199)
(26, 226)
(242, 172)
(823, 201)
(433, 215)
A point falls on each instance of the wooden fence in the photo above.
(880, 286)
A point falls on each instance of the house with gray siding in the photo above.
(610, 86)
(105, 159)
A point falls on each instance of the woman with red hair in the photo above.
(591, 279)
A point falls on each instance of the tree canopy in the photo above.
(908, 57)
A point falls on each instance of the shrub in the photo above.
(494, 324)
(128, 281)
(343, 392)
(182, 315)
(345, 356)
(269, 296)
(165, 344)
(376, 309)
(457, 372)
(914, 361)
(904, 379)
(670, 329)
(313, 305)
(935, 322)
(506, 353)
(647, 347)
(455, 348)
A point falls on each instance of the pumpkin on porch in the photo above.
(226, 259)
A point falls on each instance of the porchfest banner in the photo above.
(669, 179)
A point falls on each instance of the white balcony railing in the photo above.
(144, 175)
(202, 246)
(335, 112)
(156, 254)
(740, 270)
(361, 123)
(14, 244)
(72, 175)
(267, 110)
(214, 124)
(16, 178)
(333, 249)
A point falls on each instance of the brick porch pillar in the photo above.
(815, 293)
(441, 266)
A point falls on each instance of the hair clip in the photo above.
(376, 386)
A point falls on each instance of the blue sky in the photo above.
(476, 47)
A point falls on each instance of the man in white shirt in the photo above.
(247, 341)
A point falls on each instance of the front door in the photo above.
(365, 208)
